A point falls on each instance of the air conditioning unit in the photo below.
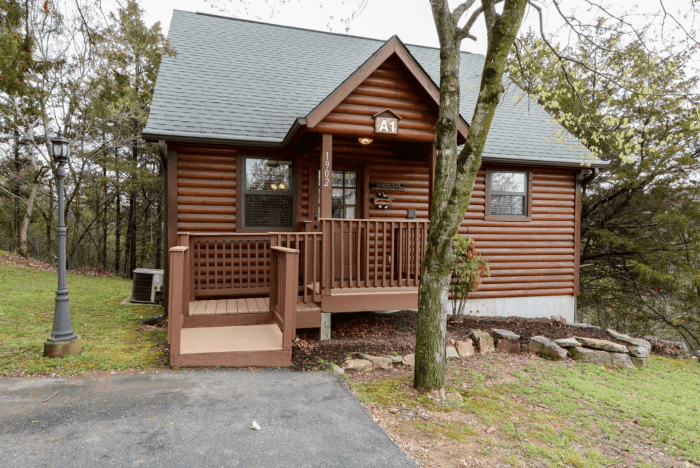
(147, 284)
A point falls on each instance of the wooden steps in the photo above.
(232, 346)
(267, 337)
(245, 311)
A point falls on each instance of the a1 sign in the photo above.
(386, 125)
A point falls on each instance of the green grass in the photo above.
(111, 337)
(662, 400)
(567, 415)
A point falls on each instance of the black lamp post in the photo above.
(63, 340)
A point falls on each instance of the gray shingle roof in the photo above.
(247, 83)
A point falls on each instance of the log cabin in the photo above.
(299, 169)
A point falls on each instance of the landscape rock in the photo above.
(465, 348)
(678, 344)
(602, 344)
(451, 353)
(697, 353)
(629, 340)
(379, 362)
(506, 341)
(509, 346)
(593, 356)
(395, 359)
(483, 341)
(507, 334)
(409, 360)
(546, 348)
(584, 326)
(357, 365)
(621, 360)
(638, 351)
(338, 370)
(639, 362)
(568, 342)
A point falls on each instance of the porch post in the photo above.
(326, 175)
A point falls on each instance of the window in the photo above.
(508, 194)
(268, 194)
(343, 194)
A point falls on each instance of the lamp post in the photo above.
(63, 340)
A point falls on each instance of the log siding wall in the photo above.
(206, 189)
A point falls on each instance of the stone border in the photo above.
(634, 353)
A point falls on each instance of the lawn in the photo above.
(505, 410)
(112, 338)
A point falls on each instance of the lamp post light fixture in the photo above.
(63, 340)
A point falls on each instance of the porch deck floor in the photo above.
(249, 305)
(266, 337)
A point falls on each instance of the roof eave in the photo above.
(194, 137)
(581, 164)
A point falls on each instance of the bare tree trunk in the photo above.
(105, 217)
(118, 227)
(29, 210)
(159, 225)
(131, 227)
(17, 192)
(455, 173)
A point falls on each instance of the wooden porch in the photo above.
(237, 299)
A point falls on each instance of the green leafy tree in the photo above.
(639, 109)
(132, 54)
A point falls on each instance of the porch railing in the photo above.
(310, 260)
(362, 253)
(346, 254)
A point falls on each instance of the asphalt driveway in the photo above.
(190, 419)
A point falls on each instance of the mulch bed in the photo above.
(384, 334)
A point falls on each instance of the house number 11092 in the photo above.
(327, 172)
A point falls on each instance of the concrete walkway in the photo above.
(190, 419)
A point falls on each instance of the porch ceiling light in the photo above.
(365, 141)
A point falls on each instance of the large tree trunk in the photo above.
(455, 174)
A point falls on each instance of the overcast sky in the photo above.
(411, 20)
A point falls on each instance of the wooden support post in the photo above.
(326, 175)
(325, 327)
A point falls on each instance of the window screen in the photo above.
(268, 198)
(508, 193)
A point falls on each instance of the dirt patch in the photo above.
(386, 334)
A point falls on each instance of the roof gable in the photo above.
(390, 90)
(395, 53)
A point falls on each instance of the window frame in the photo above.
(528, 196)
(242, 191)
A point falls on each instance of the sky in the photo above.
(411, 20)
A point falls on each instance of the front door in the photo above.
(345, 206)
